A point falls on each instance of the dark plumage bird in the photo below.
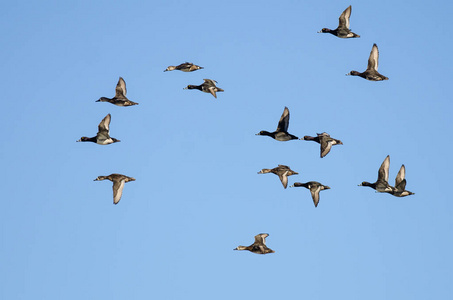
(120, 98)
(381, 185)
(185, 67)
(400, 184)
(102, 137)
(281, 134)
(259, 246)
(282, 172)
(342, 30)
(324, 140)
(314, 187)
(118, 184)
(208, 86)
(371, 72)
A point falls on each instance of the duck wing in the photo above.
(212, 90)
(120, 90)
(103, 128)
(383, 174)
(283, 123)
(373, 59)
(314, 190)
(283, 167)
(326, 145)
(400, 181)
(261, 238)
(210, 81)
(118, 186)
(185, 65)
(344, 18)
(283, 178)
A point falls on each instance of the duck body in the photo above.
(103, 135)
(325, 141)
(120, 98)
(117, 102)
(400, 184)
(281, 134)
(185, 67)
(371, 72)
(342, 31)
(208, 86)
(314, 187)
(118, 184)
(259, 246)
(381, 185)
(282, 172)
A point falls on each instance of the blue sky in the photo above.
(197, 194)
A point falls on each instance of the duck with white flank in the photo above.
(325, 140)
(208, 86)
(259, 246)
(281, 134)
(400, 184)
(381, 185)
(118, 184)
(103, 136)
(120, 98)
(342, 30)
(371, 72)
(314, 187)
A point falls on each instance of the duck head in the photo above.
(324, 30)
(170, 68)
(353, 73)
(84, 139)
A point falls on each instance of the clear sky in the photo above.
(197, 194)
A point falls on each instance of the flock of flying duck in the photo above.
(280, 134)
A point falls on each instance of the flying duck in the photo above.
(259, 246)
(400, 184)
(371, 72)
(282, 171)
(208, 86)
(325, 140)
(102, 137)
(281, 134)
(120, 98)
(342, 30)
(185, 67)
(381, 185)
(118, 184)
(314, 187)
